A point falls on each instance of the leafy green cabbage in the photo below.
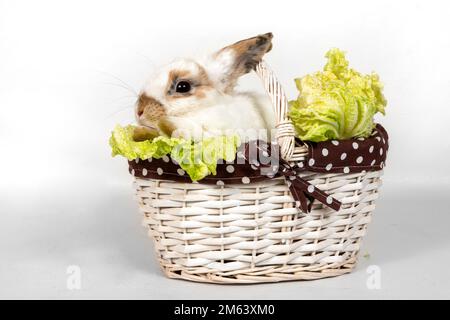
(197, 159)
(337, 103)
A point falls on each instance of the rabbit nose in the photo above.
(140, 107)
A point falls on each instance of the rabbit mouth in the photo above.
(153, 127)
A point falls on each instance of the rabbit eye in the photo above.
(183, 87)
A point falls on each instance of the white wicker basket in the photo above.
(253, 233)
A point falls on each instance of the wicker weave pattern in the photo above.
(252, 233)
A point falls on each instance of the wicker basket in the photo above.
(253, 232)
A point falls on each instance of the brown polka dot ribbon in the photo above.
(343, 156)
(301, 190)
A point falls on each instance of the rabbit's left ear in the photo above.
(238, 59)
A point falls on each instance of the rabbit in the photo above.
(197, 98)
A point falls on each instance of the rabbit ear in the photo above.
(239, 58)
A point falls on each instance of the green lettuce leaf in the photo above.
(197, 159)
(336, 103)
(122, 143)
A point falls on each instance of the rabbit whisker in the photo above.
(124, 84)
(122, 109)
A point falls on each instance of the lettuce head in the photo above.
(336, 103)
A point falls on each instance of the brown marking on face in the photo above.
(204, 84)
(248, 53)
(176, 75)
(200, 83)
(150, 109)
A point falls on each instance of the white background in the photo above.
(64, 201)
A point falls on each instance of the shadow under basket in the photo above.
(252, 233)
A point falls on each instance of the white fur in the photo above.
(246, 114)
(219, 66)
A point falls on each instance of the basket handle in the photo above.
(285, 129)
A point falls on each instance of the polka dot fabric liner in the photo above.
(343, 156)
(354, 155)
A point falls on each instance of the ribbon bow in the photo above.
(301, 190)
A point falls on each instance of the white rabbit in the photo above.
(193, 99)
